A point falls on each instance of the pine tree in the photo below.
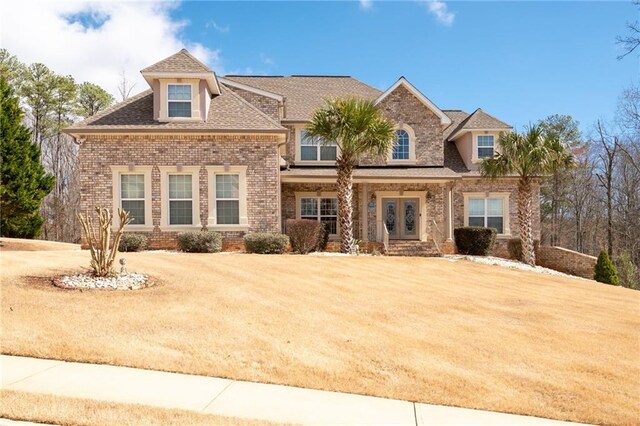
(605, 271)
(24, 182)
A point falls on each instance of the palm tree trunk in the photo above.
(345, 203)
(524, 219)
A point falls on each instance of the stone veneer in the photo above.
(259, 153)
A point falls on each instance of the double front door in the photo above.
(401, 215)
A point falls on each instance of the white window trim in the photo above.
(181, 101)
(165, 171)
(298, 146)
(241, 171)
(412, 146)
(301, 195)
(196, 114)
(505, 208)
(474, 149)
(116, 172)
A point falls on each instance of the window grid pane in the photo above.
(476, 207)
(476, 221)
(179, 92)
(180, 212)
(494, 206)
(180, 187)
(309, 207)
(496, 222)
(227, 212)
(486, 141)
(328, 152)
(227, 186)
(132, 187)
(135, 209)
(401, 146)
(179, 109)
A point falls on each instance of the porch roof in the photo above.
(365, 174)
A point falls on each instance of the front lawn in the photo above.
(428, 330)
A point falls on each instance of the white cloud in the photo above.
(218, 27)
(266, 59)
(366, 4)
(96, 40)
(439, 10)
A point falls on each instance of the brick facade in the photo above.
(258, 153)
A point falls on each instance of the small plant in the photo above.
(323, 239)
(303, 234)
(266, 243)
(627, 271)
(605, 271)
(132, 242)
(475, 240)
(199, 242)
(355, 247)
(103, 252)
(515, 249)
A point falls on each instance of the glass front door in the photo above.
(401, 215)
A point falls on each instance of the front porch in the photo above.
(383, 212)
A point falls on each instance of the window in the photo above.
(227, 199)
(323, 209)
(179, 98)
(314, 150)
(488, 212)
(132, 197)
(485, 146)
(401, 146)
(180, 200)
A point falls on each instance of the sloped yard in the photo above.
(429, 330)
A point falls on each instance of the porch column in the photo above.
(449, 230)
(364, 212)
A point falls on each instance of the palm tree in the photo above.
(529, 156)
(357, 127)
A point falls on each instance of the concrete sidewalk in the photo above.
(276, 403)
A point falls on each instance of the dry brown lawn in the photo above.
(17, 244)
(427, 330)
(74, 411)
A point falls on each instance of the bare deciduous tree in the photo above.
(125, 87)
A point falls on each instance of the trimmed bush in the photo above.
(266, 243)
(132, 242)
(605, 271)
(515, 249)
(323, 239)
(475, 240)
(303, 234)
(199, 242)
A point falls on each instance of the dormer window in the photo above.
(485, 146)
(179, 99)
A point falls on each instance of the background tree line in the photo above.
(50, 103)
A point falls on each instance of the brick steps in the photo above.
(413, 248)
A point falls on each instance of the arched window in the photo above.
(401, 146)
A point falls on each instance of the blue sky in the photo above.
(520, 61)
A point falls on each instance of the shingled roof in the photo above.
(181, 62)
(227, 112)
(477, 120)
(304, 94)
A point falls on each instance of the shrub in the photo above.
(627, 271)
(475, 240)
(266, 243)
(323, 239)
(515, 249)
(605, 271)
(200, 242)
(132, 242)
(303, 234)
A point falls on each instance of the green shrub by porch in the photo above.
(605, 271)
(475, 240)
(132, 242)
(266, 243)
(200, 242)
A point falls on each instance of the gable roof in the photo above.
(304, 94)
(180, 62)
(444, 118)
(227, 113)
(478, 120)
(182, 65)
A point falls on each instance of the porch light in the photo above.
(429, 196)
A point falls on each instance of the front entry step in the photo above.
(413, 248)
